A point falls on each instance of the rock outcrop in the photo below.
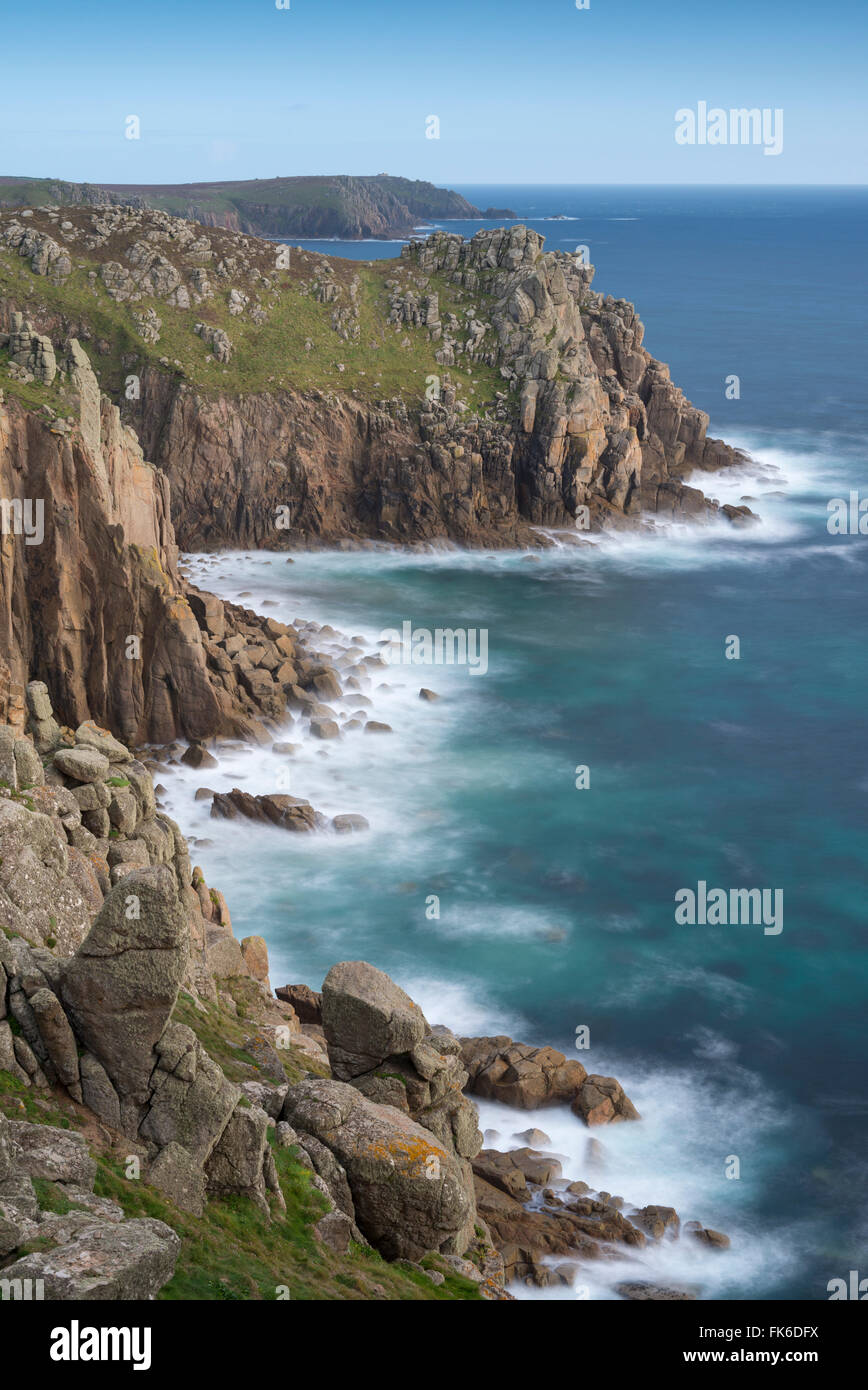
(408, 1192)
(380, 1042)
(92, 1253)
(394, 1120)
(100, 1026)
(589, 429)
(92, 603)
(533, 1077)
(539, 406)
(90, 598)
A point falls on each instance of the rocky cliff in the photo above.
(476, 391)
(150, 1081)
(91, 598)
(588, 429)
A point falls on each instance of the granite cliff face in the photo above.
(96, 606)
(588, 431)
(521, 400)
(516, 397)
(91, 599)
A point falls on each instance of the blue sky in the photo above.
(526, 91)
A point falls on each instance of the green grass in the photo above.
(233, 1252)
(223, 1036)
(265, 357)
(35, 394)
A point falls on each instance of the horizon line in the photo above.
(457, 183)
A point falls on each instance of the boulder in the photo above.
(191, 1100)
(518, 1075)
(350, 824)
(656, 1220)
(335, 1230)
(601, 1100)
(236, 1162)
(288, 812)
(98, 1093)
(306, 1002)
(28, 765)
(408, 1192)
(324, 728)
(716, 1240)
(366, 1018)
(197, 756)
(120, 988)
(255, 953)
(82, 764)
(60, 1155)
(105, 1262)
(58, 1038)
(91, 735)
(176, 1174)
(530, 1078)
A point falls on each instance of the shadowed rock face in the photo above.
(103, 573)
(121, 986)
(92, 603)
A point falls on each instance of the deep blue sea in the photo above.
(557, 904)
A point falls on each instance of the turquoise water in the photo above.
(557, 904)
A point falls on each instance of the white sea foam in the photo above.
(693, 1117)
(694, 1120)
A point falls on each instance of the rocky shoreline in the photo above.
(150, 1081)
(108, 927)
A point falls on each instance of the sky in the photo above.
(524, 91)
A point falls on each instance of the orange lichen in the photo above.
(406, 1153)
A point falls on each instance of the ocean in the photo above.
(555, 906)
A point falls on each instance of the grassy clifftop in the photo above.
(222, 311)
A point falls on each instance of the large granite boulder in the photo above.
(59, 1155)
(379, 1040)
(191, 1101)
(366, 1018)
(409, 1192)
(120, 988)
